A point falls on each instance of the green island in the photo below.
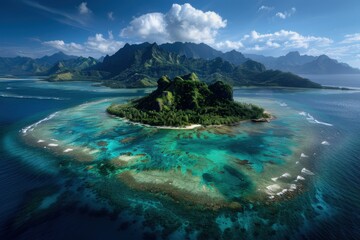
(185, 101)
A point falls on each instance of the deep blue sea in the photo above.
(327, 208)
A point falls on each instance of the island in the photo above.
(187, 101)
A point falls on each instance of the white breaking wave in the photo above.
(275, 179)
(273, 188)
(325, 143)
(292, 187)
(68, 150)
(285, 175)
(303, 155)
(299, 178)
(32, 126)
(282, 192)
(306, 171)
(283, 104)
(53, 145)
(311, 119)
(4, 95)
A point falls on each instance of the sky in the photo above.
(35, 28)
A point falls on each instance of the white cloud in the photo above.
(111, 16)
(147, 27)
(285, 39)
(265, 8)
(281, 15)
(352, 38)
(229, 45)
(71, 19)
(83, 8)
(95, 46)
(286, 14)
(181, 23)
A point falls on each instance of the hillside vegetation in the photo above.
(186, 100)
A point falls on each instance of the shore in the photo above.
(193, 126)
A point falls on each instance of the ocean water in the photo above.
(69, 170)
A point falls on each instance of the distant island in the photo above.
(185, 101)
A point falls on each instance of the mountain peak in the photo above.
(323, 57)
(293, 54)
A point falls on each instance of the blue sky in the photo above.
(95, 28)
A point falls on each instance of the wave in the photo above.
(282, 192)
(311, 119)
(292, 187)
(306, 171)
(299, 178)
(285, 175)
(32, 126)
(282, 104)
(325, 143)
(4, 95)
(273, 188)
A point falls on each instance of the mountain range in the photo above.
(304, 64)
(23, 66)
(140, 65)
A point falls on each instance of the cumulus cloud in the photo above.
(96, 46)
(229, 45)
(285, 39)
(111, 16)
(181, 23)
(275, 43)
(265, 8)
(83, 8)
(286, 14)
(65, 47)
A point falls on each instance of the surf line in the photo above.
(32, 126)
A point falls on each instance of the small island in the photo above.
(186, 101)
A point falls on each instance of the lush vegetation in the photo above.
(186, 100)
(141, 65)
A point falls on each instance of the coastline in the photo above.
(194, 126)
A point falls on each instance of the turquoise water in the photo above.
(79, 172)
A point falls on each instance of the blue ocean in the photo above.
(68, 170)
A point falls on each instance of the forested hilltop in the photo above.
(186, 100)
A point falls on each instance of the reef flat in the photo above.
(194, 173)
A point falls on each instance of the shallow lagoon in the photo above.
(216, 182)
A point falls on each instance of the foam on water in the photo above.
(32, 126)
(6, 95)
(311, 119)
(300, 178)
(306, 171)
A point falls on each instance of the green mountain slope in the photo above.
(140, 66)
(186, 100)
